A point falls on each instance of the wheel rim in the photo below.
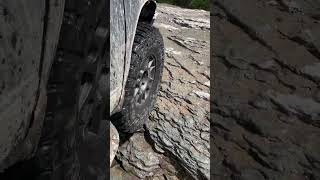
(145, 81)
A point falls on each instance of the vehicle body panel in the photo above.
(29, 34)
(132, 10)
(117, 50)
(27, 45)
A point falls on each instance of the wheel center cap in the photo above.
(144, 82)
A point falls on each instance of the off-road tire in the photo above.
(65, 129)
(148, 42)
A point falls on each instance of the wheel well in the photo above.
(148, 11)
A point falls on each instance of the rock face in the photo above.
(180, 122)
(265, 59)
(175, 144)
(114, 142)
(140, 154)
(139, 158)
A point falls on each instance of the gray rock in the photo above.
(179, 125)
(114, 142)
(313, 71)
(193, 23)
(250, 174)
(141, 160)
(306, 108)
(317, 96)
(185, 18)
(191, 44)
(117, 173)
(203, 95)
(265, 109)
(186, 138)
(138, 157)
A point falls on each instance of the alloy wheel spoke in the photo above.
(145, 95)
(136, 91)
(150, 63)
(151, 72)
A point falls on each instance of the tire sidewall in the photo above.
(151, 45)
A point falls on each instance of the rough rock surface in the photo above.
(141, 160)
(114, 142)
(180, 122)
(266, 109)
(175, 144)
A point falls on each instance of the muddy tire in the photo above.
(143, 80)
